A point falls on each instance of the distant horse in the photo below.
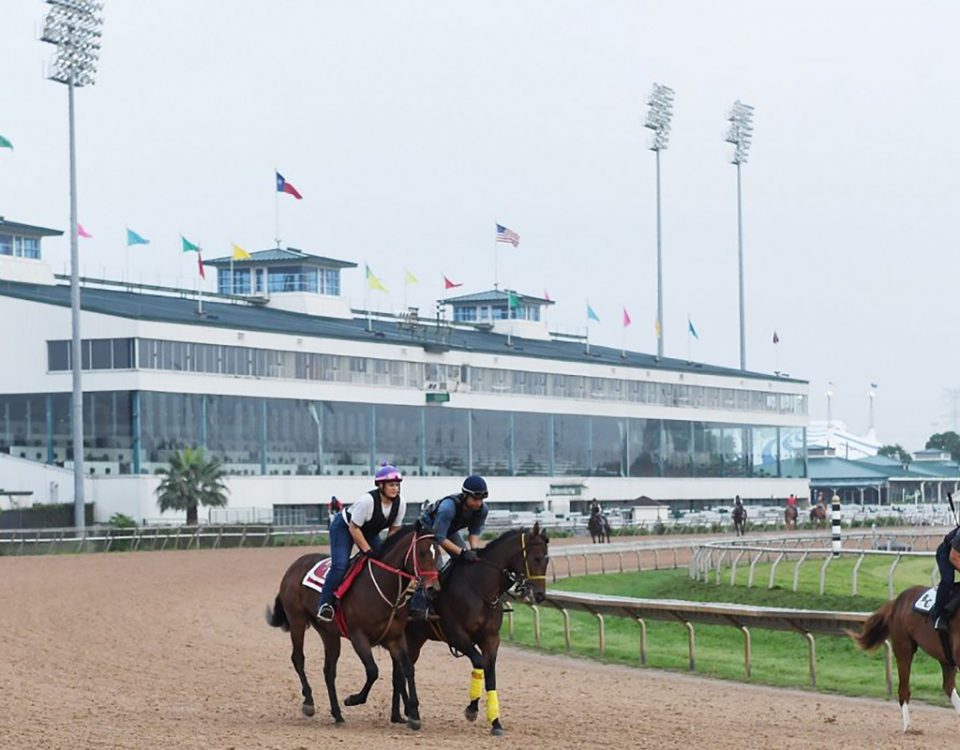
(906, 629)
(739, 519)
(790, 516)
(470, 609)
(818, 515)
(599, 527)
(373, 611)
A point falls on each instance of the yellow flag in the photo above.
(239, 253)
(409, 278)
(659, 329)
(373, 282)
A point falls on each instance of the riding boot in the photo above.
(419, 605)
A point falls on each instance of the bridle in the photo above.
(518, 581)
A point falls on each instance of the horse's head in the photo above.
(529, 564)
(423, 556)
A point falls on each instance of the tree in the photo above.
(191, 481)
(895, 451)
(946, 441)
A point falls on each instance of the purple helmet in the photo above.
(387, 473)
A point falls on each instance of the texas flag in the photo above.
(285, 187)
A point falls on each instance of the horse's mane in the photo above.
(493, 544)
(391, 541)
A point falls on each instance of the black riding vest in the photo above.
(461, 518)
(378, 522)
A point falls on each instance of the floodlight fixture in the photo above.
(659, 115)
(740, 132)
(73, 26)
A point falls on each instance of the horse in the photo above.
(739, 520)
(906, 629)
(599, 527)
(469, 606)
(790, 516)
(818, 515)
(373, 611)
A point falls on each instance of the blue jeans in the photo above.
(946, 578)
(341, 544)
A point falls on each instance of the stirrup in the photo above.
(325, 613)
(941, 624)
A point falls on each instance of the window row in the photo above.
(19, 246)
(137, 432)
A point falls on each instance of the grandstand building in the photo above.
(300, 396)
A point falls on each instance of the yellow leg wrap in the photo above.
(493, 706)
(476, 684)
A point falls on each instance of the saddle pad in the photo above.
(924, 602)
(317, 575)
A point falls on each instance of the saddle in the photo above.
(316, 576)
(926, 600)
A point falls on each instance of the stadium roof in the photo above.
(281, 254)
(14, 226)
(183, 310)
(495, 295)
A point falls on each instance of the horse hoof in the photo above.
(308, 709)
(353, 700)
(339, 722)
(414, 724)
(398, 719)
(497, 731)
(470, 714)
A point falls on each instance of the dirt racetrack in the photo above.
(171, 650)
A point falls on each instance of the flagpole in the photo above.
(231, 275)
(495, 285)
(689, 342)
(276, 208)
(366, 293)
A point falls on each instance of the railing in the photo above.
(805, 622)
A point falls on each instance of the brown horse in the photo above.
(818, 515)
(374, 610)
(906, 629)
(790, 516)
(470, 609)
(739, 520)
(599, 527)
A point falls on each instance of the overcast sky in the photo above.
(411, 128)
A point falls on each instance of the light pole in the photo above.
(740, 134)
(658, 120)
(74, 27)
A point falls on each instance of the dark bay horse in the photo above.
(790, 517)
(818, 515)
(374, 610)
(739, 519)
(599, 527)
(470, 609)
(906, 629)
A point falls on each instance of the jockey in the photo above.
(380, 508)
(948, 560)
(465, 510)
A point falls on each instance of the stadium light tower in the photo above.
(658, 120)
(740, 134)
(74, 27)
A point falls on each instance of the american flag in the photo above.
(507, 235)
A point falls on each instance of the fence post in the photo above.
(566, 628)
(620, 555)
(536, 623)
(893, 566)
(753, 564)
(855, 574)
(733, 567)
(656, 558)
(639, 562)
(723, 556)
(823, 573)
(643, 641)
(601, 633)
(746, 650)
(691, 645)
(796, 570)
(773, 569)
(812, 653)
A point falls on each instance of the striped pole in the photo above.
(835, 523)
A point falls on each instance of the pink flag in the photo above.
(546, 296)
(447, 284)
(200, 265)
(83, 232)
(626, 318)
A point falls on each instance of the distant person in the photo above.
(739, 516)
(595, 508)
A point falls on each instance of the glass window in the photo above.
(707, 455)
(398, 436)
(31, 247)
(293, 437)
(677, 448)
(531, 444)
(346, 438)
(445, 438)
(58, 355)
(122, 354)
(765, 455)
(168, 422)
(570, 445)
(643, 448)
(793, 452)
(735, 451)
(6, 244)
(101, 354)
(233, 431)
(608, 447)
(490, 442)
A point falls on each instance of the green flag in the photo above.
(513, 300)
(188, 246)
(4, 143)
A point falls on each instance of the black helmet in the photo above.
(474, 485)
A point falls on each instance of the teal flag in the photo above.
(591, 315)
(135, 239)
(513, 300)
(4, 143)
(188, 246)
(693, 331)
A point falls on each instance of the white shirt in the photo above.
(362, 510)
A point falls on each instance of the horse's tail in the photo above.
(277, 617)
(876, 628)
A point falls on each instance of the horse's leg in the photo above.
(415, 642)
(490, 648)
(950, 684)
(361, 644)
(331, 654)
(398, 653)
(298, 627)
(904, 649)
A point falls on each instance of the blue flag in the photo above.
(591, 315)
(693, 331)
(135, 239)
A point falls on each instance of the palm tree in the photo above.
(191, 481)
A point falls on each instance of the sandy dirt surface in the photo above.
(171, 650)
